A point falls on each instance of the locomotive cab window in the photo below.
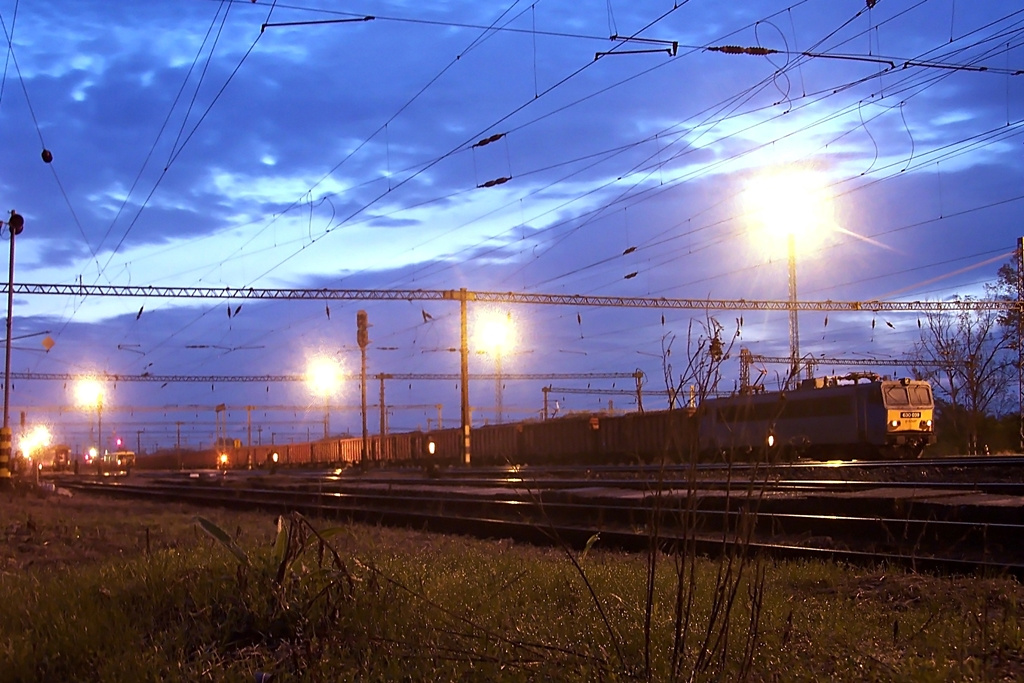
(896, 396)
(920, 394)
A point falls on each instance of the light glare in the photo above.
(89, 393)
(495, 332)
(790, 202)
(324, 376)
(37, 439)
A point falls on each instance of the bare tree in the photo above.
(706, 352)
(966, 358)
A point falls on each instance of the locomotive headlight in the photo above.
(431, 447)
(771, 440)
(926, 425)
(894, 424)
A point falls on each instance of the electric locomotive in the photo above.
(825, 417)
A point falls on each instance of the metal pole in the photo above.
(248, 438)
(499, 408)
(383, 409)
(639, 377)
(464, 371)
(794, 330)
(327, 416)
(362, 388)
(5, 432)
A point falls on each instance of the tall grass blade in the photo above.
(219, 535)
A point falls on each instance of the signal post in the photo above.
(15, 224)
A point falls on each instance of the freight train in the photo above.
(855, 416)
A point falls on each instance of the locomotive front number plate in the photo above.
(910, 414)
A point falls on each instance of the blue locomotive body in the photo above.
(844, 417)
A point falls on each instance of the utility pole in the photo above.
(363, 339)
(383, 408)
(248, 445)
(639, 377)
(15, 224)
(220, 412)
(463, 296)
(794, 325)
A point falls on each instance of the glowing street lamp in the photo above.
(323, 375)
(35, 441)
(33, 446)
(495, 333)
(89, 394)
(793, 204)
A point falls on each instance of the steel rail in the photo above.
(918, 543)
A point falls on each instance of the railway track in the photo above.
(947, 527)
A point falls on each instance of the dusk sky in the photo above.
(200, 143)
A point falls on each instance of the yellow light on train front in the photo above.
(893, 424)
(771, 440)
(926, 425)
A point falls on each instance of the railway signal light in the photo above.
(362, 329)
(16, 223)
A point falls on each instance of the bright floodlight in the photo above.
(790, 202)
(323, 375)
(35, 441)
(495, 332)
(89, 393)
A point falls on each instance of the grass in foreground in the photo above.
(103, 590)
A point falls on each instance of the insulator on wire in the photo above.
(489, 140)
(739, 50)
